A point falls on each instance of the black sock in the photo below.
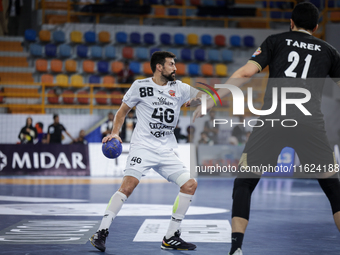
(236, 242)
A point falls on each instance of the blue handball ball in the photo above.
(112, 148)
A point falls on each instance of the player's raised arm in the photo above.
(118, 123)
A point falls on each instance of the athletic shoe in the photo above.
(99, 238)
(237, 252)
(176, 243)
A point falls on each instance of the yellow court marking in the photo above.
(68, 181)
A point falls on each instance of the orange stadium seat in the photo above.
(68, 97)
(88, 66)
(104, 37)
(76, 37)
(56, 65)
(116, 66)
(71, 66)
(117, 97)
(41, 65)
(159, 11)
(192, 39)
(147, 68)
(77, 80)
(108, 80)
(101, 100)
(47, 79)
(44, 36)
(207, 69)
(61, 79)
(181, 69)
(128, 52)
(52, 97)
(83, 100)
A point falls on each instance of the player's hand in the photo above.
(193, 102)
(197, 113)
(111, 136)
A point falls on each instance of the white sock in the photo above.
(112, 209)
(179, 210)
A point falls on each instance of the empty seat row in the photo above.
(136, 38)
(66, 51)
(75, 80)
(68, 96)
(75, 36)
(71, 66)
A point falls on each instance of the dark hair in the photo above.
(55, 116)
(158, 57)
(305, 15)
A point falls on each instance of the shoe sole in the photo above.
(95, 245)
(170, 248)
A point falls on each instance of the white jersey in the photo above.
(157, 109)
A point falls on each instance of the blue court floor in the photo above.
(46, 216)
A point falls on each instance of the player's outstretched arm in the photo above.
(118, 123)
(239, 77)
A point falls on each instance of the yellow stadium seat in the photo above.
(77, 80)
(192, 39)
(71, 66)
(140, 77)
(44, 36)
(61, 79)
(186, 80)
(221, 70)
(76, 37)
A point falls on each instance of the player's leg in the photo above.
(331, 187)
(262, 148)
(137, 163)
(173, 170)
(316, 150)
(116, 202)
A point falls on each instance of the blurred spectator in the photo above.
(128, 126)
(2, 19)
(41, 136)
(191, 134)
(28, 133)
(239, 131)
(81, 138)
(106, 127)
(210, 129)
(205, 139)
(125, 75)
(232, 140)
(13, 15)
(54, 131)
(177, 133)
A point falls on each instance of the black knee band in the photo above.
(243, 188)
(331, 187)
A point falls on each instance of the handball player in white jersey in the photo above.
(158, 102)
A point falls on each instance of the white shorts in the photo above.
(164, 162)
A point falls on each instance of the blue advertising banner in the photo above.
(44, 159)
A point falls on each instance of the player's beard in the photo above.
(169, 77)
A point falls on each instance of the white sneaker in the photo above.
(237, 252)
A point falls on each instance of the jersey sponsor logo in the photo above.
(160, 91)
(160, 126)
(172, 83)
(159, 134)
(172, 93)
(135, 160)
(162, 101)
(303, 45)
(257, 52)
(140, 81)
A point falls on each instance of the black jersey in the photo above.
(299, 55)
